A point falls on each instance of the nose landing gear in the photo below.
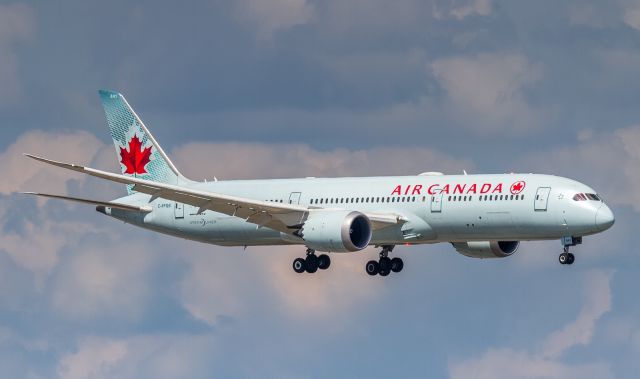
(311, 263)
(385, 265)
(567, 258)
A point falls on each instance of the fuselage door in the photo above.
(294, 198)
(436, 203)
(179, 210)
(542, 198)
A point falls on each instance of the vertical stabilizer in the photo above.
(138, 152)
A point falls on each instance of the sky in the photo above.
(294, 88)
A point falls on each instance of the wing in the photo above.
(286, 218)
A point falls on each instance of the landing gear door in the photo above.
(294, 198)
(542, 198)
(436, 203)
(179, 210)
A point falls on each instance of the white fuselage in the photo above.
(437, 208)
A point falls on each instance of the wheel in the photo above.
(571, 259)
(385, 264)
(324, 262)
(372, 268)
(384, 272)
(311, 263)
(563, 258)
(299, 265)
(397, 264)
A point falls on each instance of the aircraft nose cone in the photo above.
(604, 218)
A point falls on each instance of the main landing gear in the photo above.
(567, 258)
(385, 265)
(311, 263)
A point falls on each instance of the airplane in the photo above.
(481, 216)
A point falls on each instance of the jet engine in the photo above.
(486, 249)
(336, 231)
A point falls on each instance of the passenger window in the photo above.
(511, 197)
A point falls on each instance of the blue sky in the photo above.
(288, 88)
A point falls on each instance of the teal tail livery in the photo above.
(481, 216)
(138, 152)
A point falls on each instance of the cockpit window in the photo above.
(586, 196)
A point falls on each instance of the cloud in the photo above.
(270, 16)
(592, 159)
(17, 25)
(253, 160)
(95, 358)
(631, 15)
(36, 245)
(153, 356)
(111, 281)
(597, 303)
(546, 363)
(20, 173)
(487, 91)
(471, 7)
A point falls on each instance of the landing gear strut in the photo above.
(567, 258)
(385, 265)
(311, 263)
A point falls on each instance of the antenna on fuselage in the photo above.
(464, 171)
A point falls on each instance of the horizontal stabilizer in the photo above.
(108, 204)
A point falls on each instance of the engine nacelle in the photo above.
(487, 249)
(336, 231)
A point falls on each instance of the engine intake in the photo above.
(487, 249)
(336, 231)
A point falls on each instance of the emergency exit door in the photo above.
(294, 198)
(542, 198)
(179, 210)
(436, 203)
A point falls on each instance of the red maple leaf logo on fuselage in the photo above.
(136, 158)
(517, 187)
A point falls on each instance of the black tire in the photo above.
(563, 258)
(299, 265)
(384, 272)
(385, 264)
(397, 264)
(324, 262)
(372, 268)
(311, 264)
(571, 259)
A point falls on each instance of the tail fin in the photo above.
(139, 153)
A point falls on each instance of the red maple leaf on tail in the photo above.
(136, 158)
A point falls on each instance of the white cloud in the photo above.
(631, 15)
(36, 247)
(472, 7)
(297, 160)
(95, 358)
(593, 159)
(487, 92)
(546, 363)
(17, 24)
(270, 16)
(152, 356)
(104, 281)
(597, 303)
(20, 173)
